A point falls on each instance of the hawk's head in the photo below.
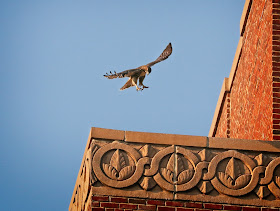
(146, 68)
(149, 70)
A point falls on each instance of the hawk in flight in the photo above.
(139, 73)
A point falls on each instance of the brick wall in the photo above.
(111, 203)
(251, 102)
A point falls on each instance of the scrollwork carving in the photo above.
(177, 169)
(124, 181)
(226, 185)
(272, 175)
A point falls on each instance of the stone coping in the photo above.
(244, 16)
(227, 85)
(185, 140)
(218, 110)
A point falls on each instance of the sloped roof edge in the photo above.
(227, 84)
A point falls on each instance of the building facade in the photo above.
(237, 167)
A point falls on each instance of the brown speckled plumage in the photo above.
(139, 73)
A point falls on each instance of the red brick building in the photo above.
(237, 167)
(249, 103)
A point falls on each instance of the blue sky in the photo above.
(52, 59)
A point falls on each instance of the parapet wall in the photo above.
(176, 169)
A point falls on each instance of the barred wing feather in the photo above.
(164, 55)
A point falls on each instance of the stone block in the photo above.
(161, 138)
(102, 133)
(244, 144)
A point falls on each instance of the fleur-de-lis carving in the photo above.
(118, 169)
(232, 177)
(205, 187)
(204, 155)
(261, 159)
(262, 191)
(176, 175)
(147, 183)
(147, 151)
(277, 180)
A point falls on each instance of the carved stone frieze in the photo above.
(178, 172)
(185, 172)
(85, 179)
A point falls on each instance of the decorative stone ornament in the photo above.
(178, 169)
(178, 172)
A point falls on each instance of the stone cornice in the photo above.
(179, 167)
(244, 16)
(184, 140)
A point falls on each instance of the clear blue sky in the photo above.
(52, 59)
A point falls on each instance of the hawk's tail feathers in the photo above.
(127, 84)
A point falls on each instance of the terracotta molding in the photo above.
(247, 176)
(170, 139)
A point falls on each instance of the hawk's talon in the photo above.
(144, 87)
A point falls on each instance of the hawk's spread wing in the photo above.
(164, 55)
(126, 73)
